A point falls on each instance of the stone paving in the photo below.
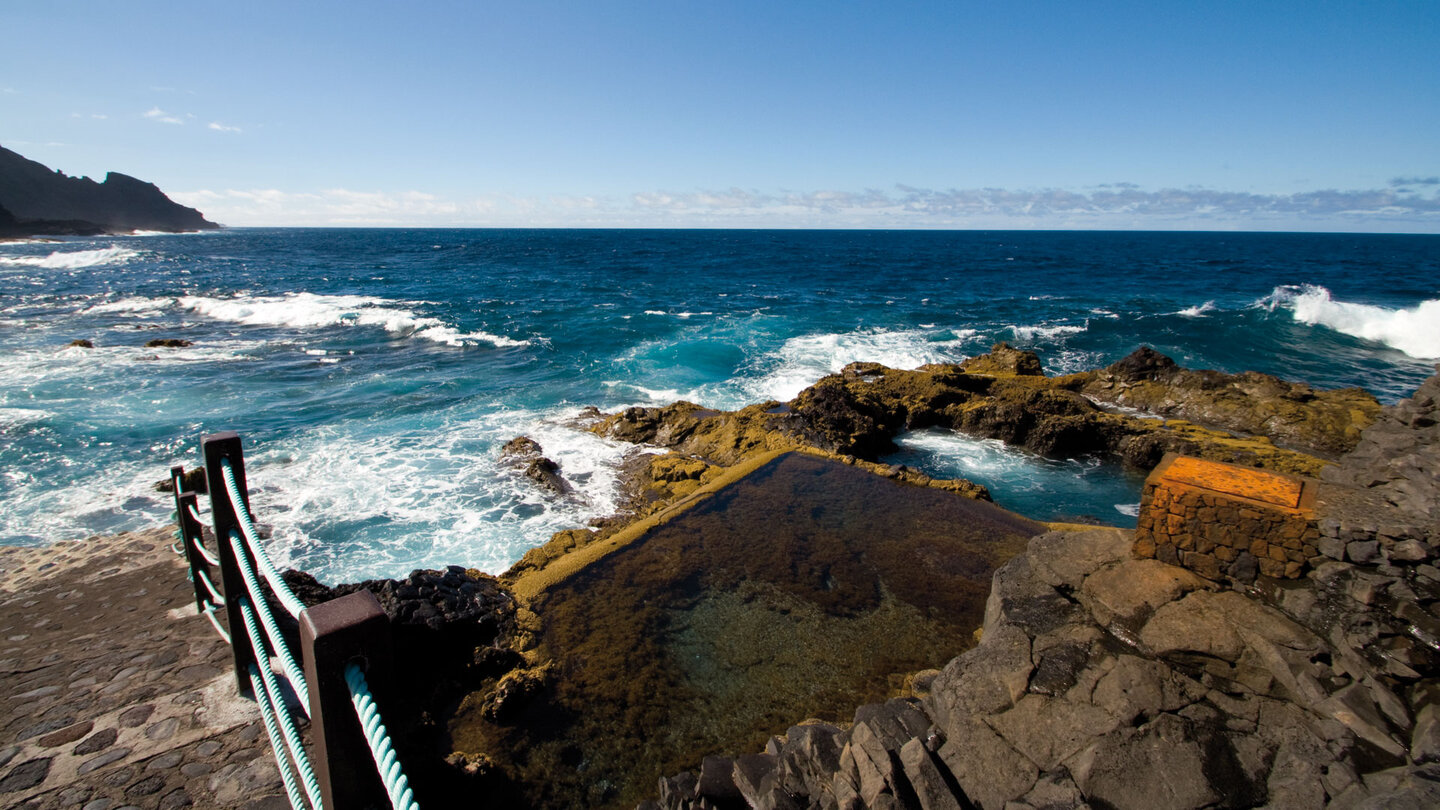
(114, 692)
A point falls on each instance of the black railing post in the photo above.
(214, 447)
(185, 503)
(332, 635)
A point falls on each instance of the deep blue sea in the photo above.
(374, 374)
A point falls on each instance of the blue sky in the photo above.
(1255, 115)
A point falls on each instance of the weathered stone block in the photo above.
(1190, 505)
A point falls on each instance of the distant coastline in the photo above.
(38, 202)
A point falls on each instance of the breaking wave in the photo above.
(1198, 311)
(74, 259)
(311, 311)
(803, 360)
(1414, 331)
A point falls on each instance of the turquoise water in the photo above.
(374, 374)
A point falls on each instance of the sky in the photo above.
(1253, 115)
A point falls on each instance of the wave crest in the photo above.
(74, 259)
(311, 311)
(1414, 331)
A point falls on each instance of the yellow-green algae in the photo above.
(803, 589)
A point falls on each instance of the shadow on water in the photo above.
(803, 590)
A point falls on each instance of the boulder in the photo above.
(988, 769)
(1004, 359)
(1162, 765)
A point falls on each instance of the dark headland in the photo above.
(778, 620)
(37, 201)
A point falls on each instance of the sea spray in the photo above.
(1414, 330)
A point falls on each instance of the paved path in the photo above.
(114, 692)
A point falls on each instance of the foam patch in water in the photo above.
(311, 311)
(73, 260)
(803, 360)
(346, 504)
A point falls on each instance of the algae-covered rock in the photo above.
(1295, 415)
(1004, 359)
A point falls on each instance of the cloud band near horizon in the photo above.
(1398, 207)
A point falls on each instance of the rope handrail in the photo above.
(348, 629)
(267, 620)
(272, 730)
(247, 525)
(205, 553)
(293, 745)
(391, 774)
(194, 514)
(214, 622)
(215, 597)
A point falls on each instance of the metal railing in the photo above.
(344, 647)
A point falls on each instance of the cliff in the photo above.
(34, 200)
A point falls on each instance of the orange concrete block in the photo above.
(1258, 485)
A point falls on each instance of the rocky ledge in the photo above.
(1106, 680)
(1137, 410)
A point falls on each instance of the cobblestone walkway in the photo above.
(114, 692)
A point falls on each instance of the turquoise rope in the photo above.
(215, 597)
(287, 725)
(242, 515)
(206, 555)
(267, 713)
(379, 740)
(210, 614)
(267, 619)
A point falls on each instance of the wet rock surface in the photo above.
(526, 455)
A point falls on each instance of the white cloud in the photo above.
(1115, 206)
(157, 114)
(342, 207)
(219, 127)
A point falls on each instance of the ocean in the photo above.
(375, 374)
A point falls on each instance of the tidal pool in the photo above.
(803, 590)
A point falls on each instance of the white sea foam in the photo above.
(803, 360)
(663, 396)
(1046, 332)
(18, 417)
(428, 496)
(1198, 311)
(310, 311)
(1414, 331)
(75, 259)
(1131, 509)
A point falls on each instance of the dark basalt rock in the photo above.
(192, 481)
(168, 343)
(526, 454)
(1294, 415)
(81, 343)
(1105, 680)
(1143, 364)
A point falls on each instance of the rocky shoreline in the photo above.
(1094, 665)
(1110, 681)
(1103, 675)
